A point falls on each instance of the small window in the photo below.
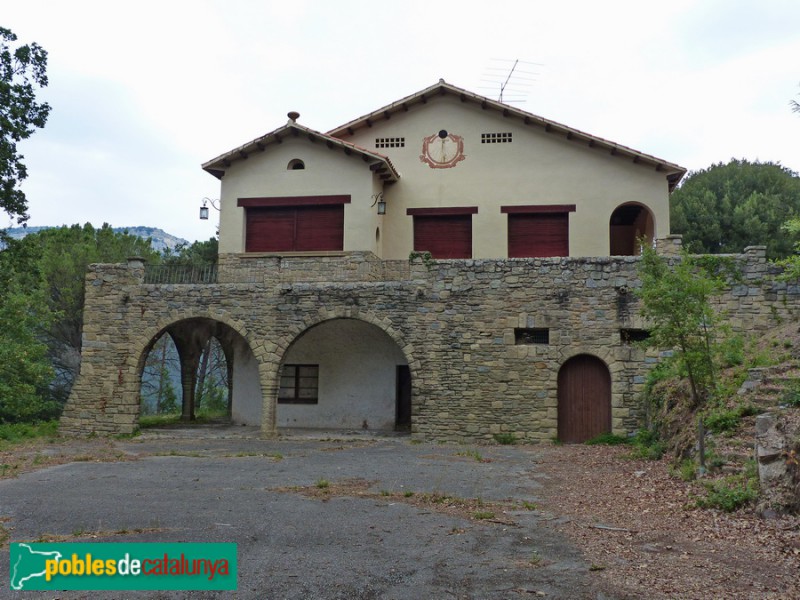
(390, 142)
(628, 336)
(296, 165)
(299, 384)
(531, 335)
(496, 138)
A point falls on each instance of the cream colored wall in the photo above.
(357, 380)
(536, 168)
(327, 172)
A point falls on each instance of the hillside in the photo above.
(159, 238)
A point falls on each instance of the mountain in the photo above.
(159, 238)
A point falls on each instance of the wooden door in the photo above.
(584, 399)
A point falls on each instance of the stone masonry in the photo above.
(454, 320)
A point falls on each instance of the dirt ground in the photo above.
(635, 523)
(638, 527)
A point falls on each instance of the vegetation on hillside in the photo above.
(692, 395)
(41, 309)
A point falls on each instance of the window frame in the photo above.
(296, 398)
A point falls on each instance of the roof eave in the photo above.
(217, 166)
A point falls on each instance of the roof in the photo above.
(674, 173)
(378, 163)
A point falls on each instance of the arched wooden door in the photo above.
(584, 399)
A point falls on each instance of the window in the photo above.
(296, 224)
(496, 138)
(299, 384)
(390, 142)
(296, 165)
(538, 231)
(531, 335)
(629, 336)
(444, 232)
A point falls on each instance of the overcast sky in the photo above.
(144, 92)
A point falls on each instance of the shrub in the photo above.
(607, 439)
(646, 445)
(720, 420)
(506, 439)
(730, 493)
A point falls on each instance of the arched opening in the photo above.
(200, 368)
(584, 399)
(296, 165)
(344, 374)
(629, 226)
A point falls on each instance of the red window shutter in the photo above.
(538, 235)
(320, 228)
(444, 236)
(269, 230)
(289, 229)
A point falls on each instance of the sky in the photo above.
(143, 93)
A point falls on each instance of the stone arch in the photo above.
(630, 222)
(388, 352)
(191, 332)
(584, 398)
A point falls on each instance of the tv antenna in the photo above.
(510, 79)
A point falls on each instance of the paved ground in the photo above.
(365, 536)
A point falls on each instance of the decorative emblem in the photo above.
(442, 150)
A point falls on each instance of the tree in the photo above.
(197, 254)
(21, 70)
(676, 300)
(25, 371)
(727, 207)
(795, 105)
(52, 263)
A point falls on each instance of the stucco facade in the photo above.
(507, 158)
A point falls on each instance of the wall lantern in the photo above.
(204, 207)
(378, 199)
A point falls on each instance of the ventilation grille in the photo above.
(393, 142)
(496, 138)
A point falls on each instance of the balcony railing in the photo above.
(180, 274)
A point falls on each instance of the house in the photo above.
(462, 176)
(333, 314)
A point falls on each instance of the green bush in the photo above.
(719, 420)
(17, 432)
(732, 351)
(730, 493)
(645, 444)
(791, 395)
(607, 439)
(506, 439)
(686, 470)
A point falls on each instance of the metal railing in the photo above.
(180, 274)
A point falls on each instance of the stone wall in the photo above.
(454, 320)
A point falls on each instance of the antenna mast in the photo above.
(505, 83)
(508, 76)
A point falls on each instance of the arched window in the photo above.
(296, 165)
